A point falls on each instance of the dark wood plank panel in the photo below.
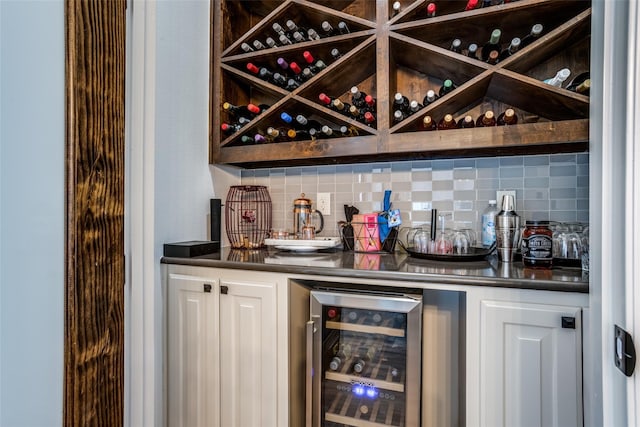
(94, 297)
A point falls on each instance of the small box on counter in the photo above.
(190, 248)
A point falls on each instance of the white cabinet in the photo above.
(530, 365)
(192, 352)
(222, 352)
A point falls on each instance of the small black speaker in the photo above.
(216, 220)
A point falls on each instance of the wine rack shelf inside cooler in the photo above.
(366, 329)
(346, 409)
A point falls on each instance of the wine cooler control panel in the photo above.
(368, 356)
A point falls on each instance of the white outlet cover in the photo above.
(323, 203)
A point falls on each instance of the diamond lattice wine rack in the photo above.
(383, 51)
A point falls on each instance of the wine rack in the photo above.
(407, 52)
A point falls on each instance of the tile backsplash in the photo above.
(554, 187)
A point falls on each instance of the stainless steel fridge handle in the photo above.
(309, 374)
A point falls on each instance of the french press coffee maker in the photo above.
(303, 218)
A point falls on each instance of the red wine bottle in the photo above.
(493, 57)
(398, 116)
(431, 10)
(245, 47)
(492, 44)
(447, 122)
(467, 122)
(401, 102)
(371, 103)
(237, 110)
(395, 8)
(471, 4)
(328, 29)
(228, 128)
(370, 119)
(508, 117)
(326, 100)
(428, 123)
(414, 106)
(293, 28)
(343, 28)
(486, 120)
(253, 69)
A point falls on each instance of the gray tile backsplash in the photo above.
(554, 187)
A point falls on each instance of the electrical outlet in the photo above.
(323, 204)
(501, 193)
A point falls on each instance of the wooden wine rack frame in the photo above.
(407, 53)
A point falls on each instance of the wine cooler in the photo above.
(363, 359)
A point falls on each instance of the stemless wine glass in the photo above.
(421, 241)
(460, 242)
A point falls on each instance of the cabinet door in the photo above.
(192, 357)
(248, 354)
(531, 370)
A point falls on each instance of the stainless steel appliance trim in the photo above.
(309, 375)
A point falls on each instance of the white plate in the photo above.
(303, 245)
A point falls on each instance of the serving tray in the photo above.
(474, 254)
(300, 245)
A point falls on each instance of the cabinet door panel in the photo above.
(530, 366)
(192, 343)
(248, 356)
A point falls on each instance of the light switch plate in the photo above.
(323, 204)
(501, 193)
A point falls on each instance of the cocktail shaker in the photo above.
(507, 230)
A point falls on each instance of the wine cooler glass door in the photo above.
(366, 361)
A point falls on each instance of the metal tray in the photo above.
(475, 254)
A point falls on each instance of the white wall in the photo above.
(31, 212)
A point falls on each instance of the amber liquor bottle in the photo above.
(447, 122)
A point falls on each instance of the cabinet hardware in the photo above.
(224, 289)
(568, 322)
(207, 287)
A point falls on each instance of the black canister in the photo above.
(537, 244)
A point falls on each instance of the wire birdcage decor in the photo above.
(247, 216)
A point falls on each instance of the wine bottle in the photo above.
(265, 75)
(446, 87)
(398, 116)
(335, 363)
(335, 54)
(298, 135)
(285, 117)
(486, 3)
(536, 30)
(493, 57)
(370, 119)
(237, 110)
(395, 8)
(492, 44)
(326, 100)
(280, 80)
(456, 46)
(308, 57)
(343, 28)
(307, 74)
(340, 106)
(401, 102)
(577, 81)
(471, 4)
(271, 42)
(467, 122)
(328, 29)
(252, 68)
(228, 128)
(431, 10)
(277, 134)
(508, 117)
(298, 37)
(371, 103)
(414, 106)
(279, 30)
(559, 78)
(447, 122)
(472, 51)
(257, 109)
(349, 131)
(583, 88)
(293, 28)
(242, 121)
(284, 40)
(246, 139)
(246, 47)
(313, 34)
(357, 97)
(428, 123)
(308, 123)
(297, 71)
(429, 97)
(356, 113)
(257, 44)
(486, 120)
(513, 48)
(318, 66)
(329, 132)
(258, 138)
(292, 84)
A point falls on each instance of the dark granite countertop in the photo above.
(396, 266)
